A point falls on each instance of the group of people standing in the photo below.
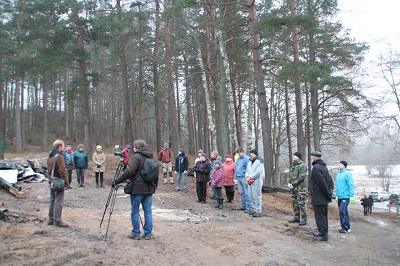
(247, 172)
(78, 161)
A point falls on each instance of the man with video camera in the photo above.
(142, 191)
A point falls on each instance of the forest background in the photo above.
(276, 75)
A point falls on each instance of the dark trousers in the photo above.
(69, 174)
(230, 193)
(218, 192)
(366, 209)
(321, 218)
(201, 189)
(56, 203)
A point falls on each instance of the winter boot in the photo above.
(171, 178)
(97, 180)
(218, 203)
(221, 203)
(82, 181)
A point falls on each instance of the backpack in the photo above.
(150, 170)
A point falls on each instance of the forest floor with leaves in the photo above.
(185, 232)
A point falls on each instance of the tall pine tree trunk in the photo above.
(173, 120)
(299, 103)
(261, 93)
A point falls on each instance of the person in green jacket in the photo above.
(298, 185)
(81, 164)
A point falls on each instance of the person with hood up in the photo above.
(181, 167)
(56, 197)
(229, 175)
(142, 191)
(202, 170)
(254, 179)
(217, 178)
(99, 159)
(81, 164)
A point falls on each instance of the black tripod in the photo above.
(112, 196)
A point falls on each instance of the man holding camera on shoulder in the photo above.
(142, 191)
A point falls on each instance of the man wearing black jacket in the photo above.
(320, 195)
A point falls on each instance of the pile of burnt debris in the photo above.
(11, 174)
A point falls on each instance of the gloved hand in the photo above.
(185, 172)
(337, 199)
(290, 185)
(209, 183)
(352, 201)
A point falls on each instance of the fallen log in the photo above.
(12, 188)
(271, 189)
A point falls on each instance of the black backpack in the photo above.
(150, 170)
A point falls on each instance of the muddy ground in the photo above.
(185, 232)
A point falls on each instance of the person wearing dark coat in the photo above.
(181, 167)
(142, 191)
(371, 203)
(202, 170)
(320, 195)
(365, 204)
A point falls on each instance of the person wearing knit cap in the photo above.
(216, 182)
(298, 185)
(181, 167)
(254, 179)
(228, 180)
(344, 195)
(99, 159)
(320, 195)
(202, 170)
(81, 164)
(165, 157)
(240, 179)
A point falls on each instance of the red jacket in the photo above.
(164, 155)
(229, 173)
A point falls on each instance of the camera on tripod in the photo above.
(121, 154)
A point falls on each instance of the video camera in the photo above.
(119, 153)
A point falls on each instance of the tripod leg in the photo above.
(119, 168)
(111, 210)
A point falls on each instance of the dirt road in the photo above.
(185, 232)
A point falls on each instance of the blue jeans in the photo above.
(146, 201)
(244, 192)
(344, 215)
(182, 176)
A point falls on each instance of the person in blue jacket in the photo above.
(81, 164)
(240, 178)
(69, 163)
(344, 195)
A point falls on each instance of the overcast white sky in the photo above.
(376, 23)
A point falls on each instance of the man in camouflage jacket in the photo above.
(298, 185)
